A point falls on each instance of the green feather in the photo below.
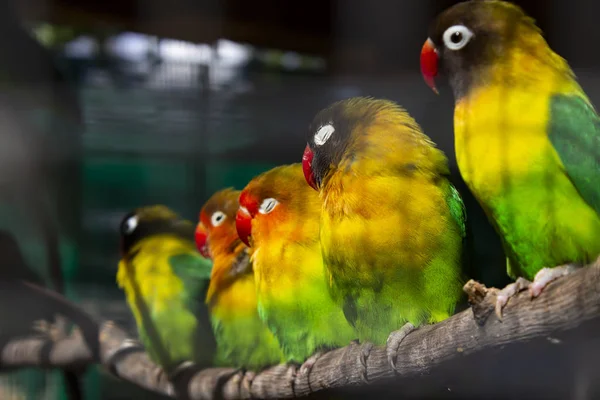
(194, 271)
(177, 327)
(574, 130)
(559, 221)
(457, 209)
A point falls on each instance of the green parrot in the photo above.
(392, 226)
(527, 139)
(243, 339)
(165, 280)
(278, 219)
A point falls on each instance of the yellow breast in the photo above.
(501, 135)
(236, 299)
(403, 213)
(282, 267)
(150, 277)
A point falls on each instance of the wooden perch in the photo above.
(564, 305)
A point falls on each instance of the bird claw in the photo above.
(547, 275)
(52, 331)
(43, 327)
(509, 291)
(365, 352)
(394, 341)
(307, 366)
(291, 373)
(247, 380)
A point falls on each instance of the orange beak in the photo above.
(243, 224)
(201, 236)
(429, 64)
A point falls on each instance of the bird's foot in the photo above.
(307, 366)
(246, 378)
(509, 291)
(547, 275)
(55, 331)
(47, 329)
(291, 374)
(365, 352)
(394, 341)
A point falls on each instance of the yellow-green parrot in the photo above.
(527, 138)
(243, 339)
(392, 225)
(278, 219)
(165, 280)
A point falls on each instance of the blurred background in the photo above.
(132, 103)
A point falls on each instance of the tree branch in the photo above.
(563, 306)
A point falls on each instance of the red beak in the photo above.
(307, 159)
(243, 224)
(429, 64)
(202, 240)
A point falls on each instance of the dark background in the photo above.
(157, 137)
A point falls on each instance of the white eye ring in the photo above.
(463, 33)
(131, 224)
(267, 205)
(217, 218)
(323, 134)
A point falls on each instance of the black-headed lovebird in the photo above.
(392, 225)
(165, 280)
(527, 138)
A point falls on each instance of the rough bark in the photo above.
(563, 306)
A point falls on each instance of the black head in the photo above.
(469, 37)
(148, 221)
(332, 132)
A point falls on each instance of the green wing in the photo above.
(574, 131)
(457, 209)
(194, 271)
(191, 266)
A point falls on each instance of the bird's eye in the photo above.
(267, 205)
(323, 134)
(130, 224)
(217, 218)
(456, 37)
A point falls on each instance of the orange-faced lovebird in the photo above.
(526, 138)
(279, 217)
(392, 225)
(243, 339)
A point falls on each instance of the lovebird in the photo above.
(527, 138)
(243, 339)
(165, 280)
(392, 225)
(279, 219)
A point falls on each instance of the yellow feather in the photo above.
(152, 276)
(501, 128)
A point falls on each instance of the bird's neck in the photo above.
(529, 64)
